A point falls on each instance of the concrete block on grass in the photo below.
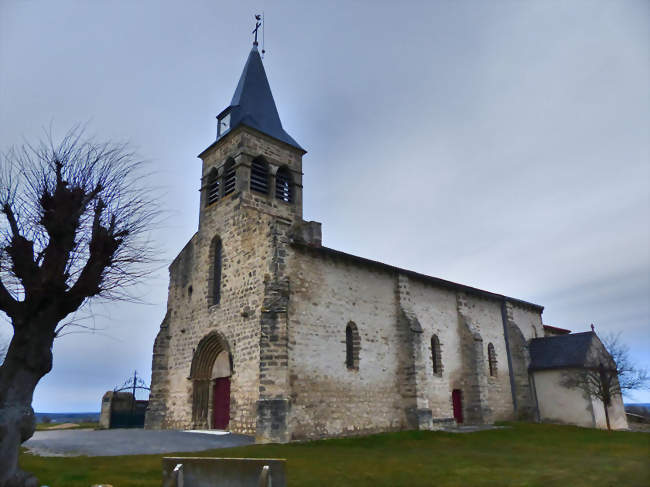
(223, 472)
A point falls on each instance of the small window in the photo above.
(436, 358)
(284, 185)
(260, 176)
(223, 124)
(352, 343)
(215, 274)
(229, 177)
(492, 360)
(212, 188)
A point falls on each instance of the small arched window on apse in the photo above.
(492, 360)
(260, 176)
(352, 344)
(214, 279)
(436, 358)
(229, 177)
(284, 185)
(212, 188)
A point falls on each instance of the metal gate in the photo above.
(133, 418)
(129, 412)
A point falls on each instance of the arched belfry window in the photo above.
(212, 188)
(352, 343)
(229, 177)
(284, 185)
(214, 280)
(492, 360)
(436, 358)
(260, 176)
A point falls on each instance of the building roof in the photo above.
(559, 352)
(434, 280)
(253, 104)
(556, 330)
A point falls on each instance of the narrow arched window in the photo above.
(212, 188)
(260, 176)
(352, 343)
(214, 281)
(492, 360)
(284, 185)
(349, 348)
(229, 177)
(436, 358)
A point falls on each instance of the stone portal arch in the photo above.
(210, 374)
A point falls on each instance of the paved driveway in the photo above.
(128, 442)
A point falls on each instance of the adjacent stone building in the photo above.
(270, 333)
(557, 360)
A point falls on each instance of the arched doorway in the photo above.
(210, 374)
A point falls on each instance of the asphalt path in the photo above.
(115, 442)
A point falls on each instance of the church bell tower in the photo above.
(251, 205)
(220, 360)
(252, 157)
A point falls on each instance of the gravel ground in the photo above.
(128, 442)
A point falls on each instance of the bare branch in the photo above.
(11, 218)
(7, 302)
(78, 213)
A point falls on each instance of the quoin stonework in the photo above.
(270, 333)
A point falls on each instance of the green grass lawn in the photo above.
(523, 455)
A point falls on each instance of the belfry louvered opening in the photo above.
(260, 176)
(212, 188)
(284, 185)
(229, 178)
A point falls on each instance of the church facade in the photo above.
(270, 333)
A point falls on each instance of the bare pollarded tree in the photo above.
(73, 225)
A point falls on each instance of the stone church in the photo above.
(270, 333)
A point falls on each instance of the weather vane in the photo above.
(257, 26)
(259, 22)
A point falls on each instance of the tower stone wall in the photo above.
(251, 228)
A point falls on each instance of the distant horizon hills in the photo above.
(67, 417)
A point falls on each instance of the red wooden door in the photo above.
(457, 401)
(221, 403)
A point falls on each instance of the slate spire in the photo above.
(253, 105)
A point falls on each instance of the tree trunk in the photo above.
(605, 392)
(28, 359)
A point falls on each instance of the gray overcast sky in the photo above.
(501, 144)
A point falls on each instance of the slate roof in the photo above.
(253, 104)
(558, 352)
